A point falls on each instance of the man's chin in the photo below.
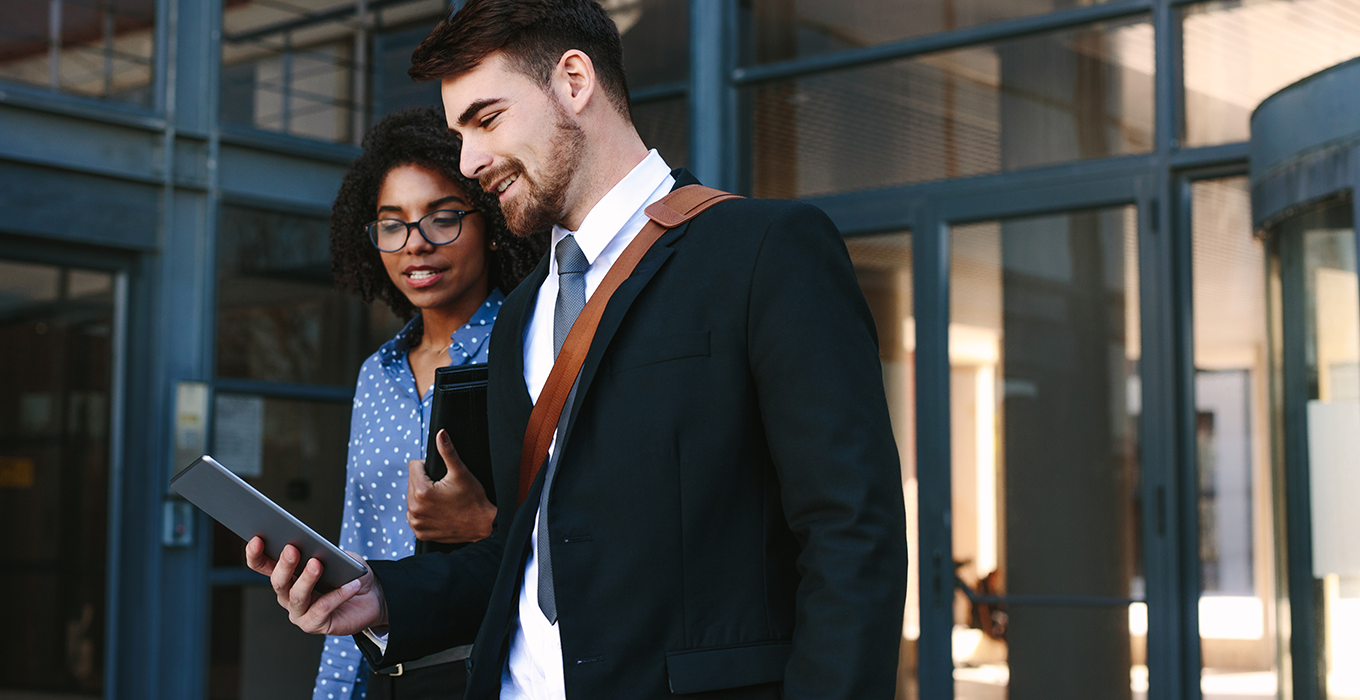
(526, 223)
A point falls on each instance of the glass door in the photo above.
(57, 337)
(1046, 508)
(1313, 273)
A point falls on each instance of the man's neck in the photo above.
(607, 162)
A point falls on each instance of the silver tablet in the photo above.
(247, 512)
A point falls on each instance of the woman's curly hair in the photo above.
(414, 137)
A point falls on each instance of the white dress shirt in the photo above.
(534, 668)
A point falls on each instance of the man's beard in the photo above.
(543, 201)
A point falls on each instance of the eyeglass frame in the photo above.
(462, 214)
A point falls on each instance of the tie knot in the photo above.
(570, 259)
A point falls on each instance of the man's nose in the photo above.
(473, 160)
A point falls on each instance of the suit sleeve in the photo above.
(839, 471)
(434, 601)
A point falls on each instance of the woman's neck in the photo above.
(441, 321)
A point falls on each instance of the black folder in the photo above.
(459, 406)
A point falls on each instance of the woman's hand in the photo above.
(453, 509)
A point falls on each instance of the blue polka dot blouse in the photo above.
(388, 429)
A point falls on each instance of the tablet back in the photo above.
(247, 512)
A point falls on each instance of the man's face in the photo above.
(519, 142)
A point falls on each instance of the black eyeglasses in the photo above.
(438, 227)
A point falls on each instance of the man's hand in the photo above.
(349, 609)
(453, 509)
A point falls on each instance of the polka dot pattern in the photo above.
(388, 427)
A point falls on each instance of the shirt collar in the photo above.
(469, 336)
(612, 212)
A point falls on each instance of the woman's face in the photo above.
(431, 276)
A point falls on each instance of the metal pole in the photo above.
(54, 44)
(286, 84)
(359, 101)
(106, 14)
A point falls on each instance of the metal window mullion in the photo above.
(359, 77)
(286, 78)
(54, 44)
(930, 289)
(658, 93)
(943, 41)
(106, 15)
(712, 98)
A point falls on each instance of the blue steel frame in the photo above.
(159, 175)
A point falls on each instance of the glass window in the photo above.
(1239, 53)
(656, 53)
(293, 452)
(1237, 573)
(1044, 401)
(664, 125)
(655, 40)
(308, 68)
(883, 265)
(100, 48)
(279, 317)
(56, 364)
(787, 29)
(1053, 98)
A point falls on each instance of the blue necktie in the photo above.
(571, 298)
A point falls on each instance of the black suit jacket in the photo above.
(727, 516)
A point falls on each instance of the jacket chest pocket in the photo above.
(660, 348)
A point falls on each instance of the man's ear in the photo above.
(575, 76)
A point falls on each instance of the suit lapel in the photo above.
(624, 297)
(507, 350)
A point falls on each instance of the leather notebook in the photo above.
(459, 406)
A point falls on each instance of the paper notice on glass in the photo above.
(238, 433)
(1334, 480)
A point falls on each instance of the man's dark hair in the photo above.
(533, 34)
(414, 137)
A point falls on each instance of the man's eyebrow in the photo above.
(476, 107)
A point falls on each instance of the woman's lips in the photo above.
(419, 279)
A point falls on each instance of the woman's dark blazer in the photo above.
(727, 517)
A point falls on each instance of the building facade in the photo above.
(1118, 317)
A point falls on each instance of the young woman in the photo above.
(408, 229)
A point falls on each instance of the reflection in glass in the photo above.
(279, 318)
(1236, 550)
(655, 40)
(883, 266)
(787, 29)
(56, 363)
(1317, 250)
(1054, 98)
(1239, 53)
(316, 68)
(313, 68)
(1044, 402)
(293, 452)
(664, 125)
(101, 49)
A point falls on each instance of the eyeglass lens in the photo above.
(439, 228)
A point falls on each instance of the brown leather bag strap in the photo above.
(670, 211)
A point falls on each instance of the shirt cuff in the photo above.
(379, 641)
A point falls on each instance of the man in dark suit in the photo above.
(722, 512)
